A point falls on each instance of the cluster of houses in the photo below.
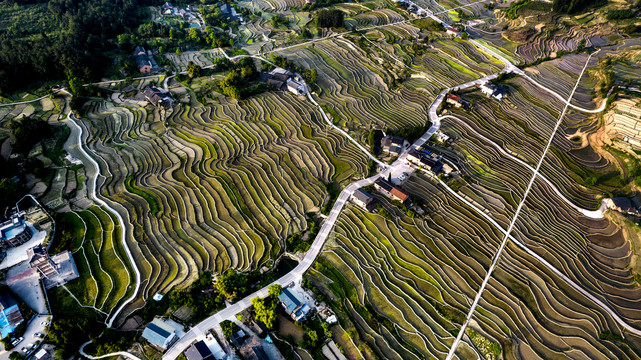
(54, 270)
(363, 199)
(10, 316)
(457, 101)
(208, 349)
(452, 31)
(495, 91)
(14, 231)
(162, 334)
(145, 61)
(443, 137)
(185, 14)
(390, 191)
(158, 97)
(623, 205)
(394, 144)
(282, 79)
(426, 159)
(230, 13)
(411, 7)
(293, 306)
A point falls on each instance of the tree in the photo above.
(328, 332)
(311, 338)
(231, 285)
(275, 290)
(15, 356)
(193, 70)
(265, 311)
(194, 35)
(228, 328)
(330, 18)
(6, 342)
(313, 75)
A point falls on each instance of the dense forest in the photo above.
(87, 28)
(575, 6)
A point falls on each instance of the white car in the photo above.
(17, 341)
(24, 349)
(40, 335)
(44, 323)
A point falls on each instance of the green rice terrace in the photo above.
(238, 159)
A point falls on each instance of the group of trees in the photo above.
(200, 297)
(241, 80)
(330, 18)
(295, 243)
(412, 133)
(310, 75)
(27, 132)
(575, 6)
(320, 4)
(232, 285)
(87, 28)
(265, 309)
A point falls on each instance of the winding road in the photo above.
(77, 144)
(198, 331)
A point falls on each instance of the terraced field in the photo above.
(215, 187)
(415, 274)
(524, 133)
(560, 76)
(106, 277)
(408, 274)
(360, 88)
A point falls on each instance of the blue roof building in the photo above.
(160, 334)
(293, 307)
(289, 301)
(10, 315)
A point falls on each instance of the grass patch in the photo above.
(130, 186)
(340, 166)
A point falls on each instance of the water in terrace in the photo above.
(284, 266)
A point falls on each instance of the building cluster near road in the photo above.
(30, 271)
(284, 80)
(250, 339)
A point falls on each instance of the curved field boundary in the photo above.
(565, 278)
(123, 236)
(24, 102)
(592, 214)
(513, 222)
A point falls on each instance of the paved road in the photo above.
(120, 353)
(330, 123)
(497, 256)
(24, 102)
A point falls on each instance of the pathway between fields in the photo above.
(24, 102)
(592, 214)
(516, 215)
(91, 191)
(520, 244)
